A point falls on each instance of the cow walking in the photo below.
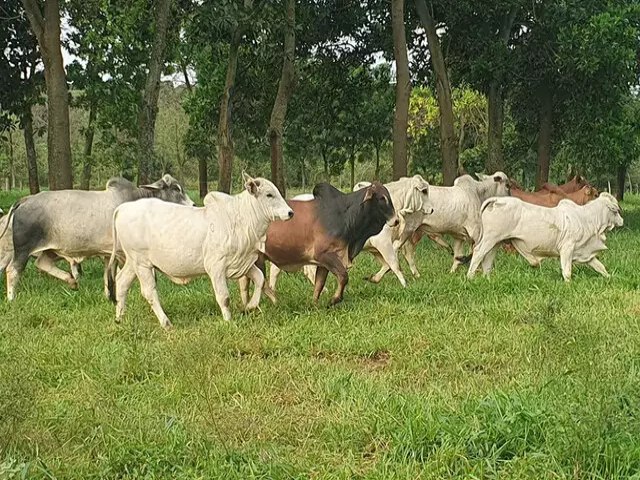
(74, 224)
(572, 232)
(329, 231)
(220, 240)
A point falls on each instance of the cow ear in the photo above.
(252, 186)
(368, 195)
(159, 185)
(497, 178)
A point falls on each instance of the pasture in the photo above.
(515, 376)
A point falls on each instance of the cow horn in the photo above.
(609, 186)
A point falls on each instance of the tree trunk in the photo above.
(149, 107)
(376, 174)
(46, 26)
(12, 170)
(448, 142)
(495, 106)
(85, 181)
(352, 165)
(225, 142)
(32, 161)
(403, 90)
(544, 138)
(621, 175)
(285, 88)
(202, 176)
(461, 170)
(325, 163)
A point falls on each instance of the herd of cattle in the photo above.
(157, 227)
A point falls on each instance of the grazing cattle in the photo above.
(74, 224)
(220, 240)
(456, 212)
(572, 232)
(410, 197)
(329, 231)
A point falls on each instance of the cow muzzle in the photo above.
(287, 215)
(394, 221)
(427, 210)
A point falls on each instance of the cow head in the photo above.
(614, 217)
(377, 198)
(268, 196)
(416, 196)
(169, 190)
(589, 192)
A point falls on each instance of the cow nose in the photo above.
(290, 213)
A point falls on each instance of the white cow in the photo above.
(410, 197)
(220, 240)
(457, 212)
(575, 233)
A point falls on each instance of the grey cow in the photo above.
(74, 224)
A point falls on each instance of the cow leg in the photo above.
(243, 284)
(487, 262)
(409, 252)
(320, 280)
(219, 282)
(124, 279)
(566, 259)
(147, 279)
(45, 262)
(105, 276)
(310, 273)
(335, 266)
(481, 250)
(76, 270)
(256, 275)
(388, 258)
(5, 259)
(458, 251)
(599, 267)
(14, 270)
(274, 273)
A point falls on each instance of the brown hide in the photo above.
(295, 242)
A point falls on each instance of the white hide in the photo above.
(572, 232)
(456, 211)
(220, 240)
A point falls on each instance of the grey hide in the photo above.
(75, 224)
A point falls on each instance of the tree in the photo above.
(149, 106)
(285, 87)
(22, 83)
(448, 140)
(403, 90)
(45, 24)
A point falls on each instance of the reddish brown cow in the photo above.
(329, 231)
(573, 185)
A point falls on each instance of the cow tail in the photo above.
(111, 268)
(12, 210)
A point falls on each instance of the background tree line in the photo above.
(322, 89)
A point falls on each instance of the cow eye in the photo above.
(269, 195)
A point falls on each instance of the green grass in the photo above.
(516, 376)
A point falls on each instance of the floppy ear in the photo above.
(497, 178)
(368, 194)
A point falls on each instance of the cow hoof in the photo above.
(167, 326)
(334, 301)
(372, 279)
(73, 285)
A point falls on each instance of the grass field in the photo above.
(515, 376)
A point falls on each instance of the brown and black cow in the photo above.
(329, 231)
